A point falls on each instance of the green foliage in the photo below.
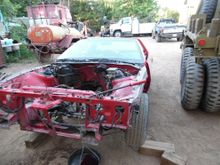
(137, 8)
(9, 8)
(22, 5)
(167, 13)
(91, 12)
(19, 34)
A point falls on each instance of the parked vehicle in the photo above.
(52, 30)
(130, 26)
(200, 64)
(96, 85)
(167, 29)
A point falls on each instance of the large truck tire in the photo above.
(186, 54)
(136, 135)
(211, 101)
(208, 8)
(192, 85)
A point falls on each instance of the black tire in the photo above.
(158, 38)
(186, 54)
(208, 8)
(179, 39)
(192, 85)
(153, 35)
(117, 33)
(211, 101)
(136, 135)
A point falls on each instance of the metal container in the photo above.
(44, 34)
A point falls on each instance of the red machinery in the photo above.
(51, 29)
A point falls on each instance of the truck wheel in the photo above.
(153, 35)
(192, 85)
(158, 38)
(117, 33)
(179, 39)
(136, 135)
(186, 53)
(211, 102)
(208, 8)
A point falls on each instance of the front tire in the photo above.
(211, 102)
(192, 85)
(136, 135)
(117, 33)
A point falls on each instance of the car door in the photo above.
(126, 25)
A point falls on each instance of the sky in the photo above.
(176, 4)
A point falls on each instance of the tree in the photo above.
(137, 8)
(167, 13)
(90, 11)
(8, 8)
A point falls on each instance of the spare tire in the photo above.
(208, 8)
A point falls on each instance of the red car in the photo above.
(96, 85)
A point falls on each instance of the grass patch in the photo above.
(25, 54)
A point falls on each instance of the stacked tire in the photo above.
(200, 83)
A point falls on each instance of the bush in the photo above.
(19, 34)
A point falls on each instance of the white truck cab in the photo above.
(130, 26)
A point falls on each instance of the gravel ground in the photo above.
(195, 134)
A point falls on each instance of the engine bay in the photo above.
(96, 78)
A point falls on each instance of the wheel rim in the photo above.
(117, 34)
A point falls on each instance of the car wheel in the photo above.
(192, 85)
(117, 34)
(211, 101)
(208, 7)
(136, 135)
(186, 54)
(158, 38)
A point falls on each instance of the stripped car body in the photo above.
(75, 98)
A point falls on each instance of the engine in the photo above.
(95, 78)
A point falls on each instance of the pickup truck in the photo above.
(167, 29)
(129, 26)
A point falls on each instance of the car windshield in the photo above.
(118, 49)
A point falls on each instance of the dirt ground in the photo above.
(196, 135)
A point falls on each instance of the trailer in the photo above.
(52, 30)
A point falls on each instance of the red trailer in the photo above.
(52, 29)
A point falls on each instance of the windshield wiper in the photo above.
(72, 60)
(99, 60)
(113, 61)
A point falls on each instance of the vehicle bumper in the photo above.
(171, 35)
